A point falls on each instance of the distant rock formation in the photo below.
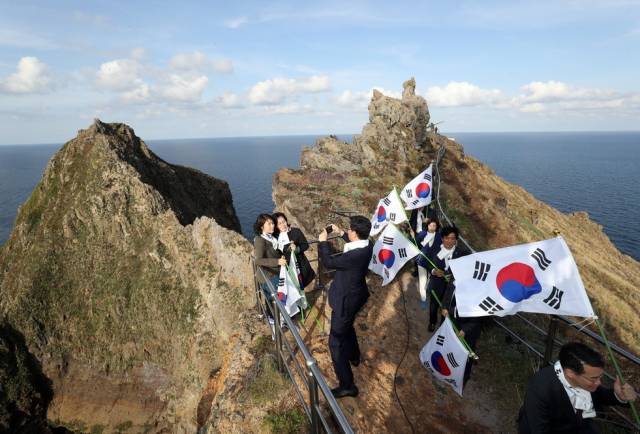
(128, 280)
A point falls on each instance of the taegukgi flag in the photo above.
(294, 268)
(288, 293)
(389, 209)
(418, 192)
(445, 356)
(390, 252)
(537, 277)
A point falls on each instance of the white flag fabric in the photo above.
(288, 292)
(537, 277)
(445, 356)
(389, 209)
(418, 192)
(390, 252)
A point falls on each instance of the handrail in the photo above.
(551, 339)
(314, 378)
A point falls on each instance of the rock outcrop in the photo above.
(127, 278)
(393, 147)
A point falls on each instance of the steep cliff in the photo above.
(393, 147)
(126, 277)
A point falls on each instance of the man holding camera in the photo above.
(347, 295)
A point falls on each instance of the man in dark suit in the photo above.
(563, 398)
(347, 295)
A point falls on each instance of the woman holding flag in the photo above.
(292, 239)
(426, 240)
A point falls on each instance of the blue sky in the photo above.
(211, 69)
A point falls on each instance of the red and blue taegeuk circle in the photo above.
(382, 214)
(517, 282)
(440, 364)
(422, 190)
(387, 257)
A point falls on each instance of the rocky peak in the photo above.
(125, 275)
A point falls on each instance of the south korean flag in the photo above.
(296, 276)
(389, 209)
(539, 277)
(390, 252)
(445, 356)
(418, 192)
(288, 293)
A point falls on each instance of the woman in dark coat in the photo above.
(267, 257)
(290, 238)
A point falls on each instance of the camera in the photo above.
(329, 229)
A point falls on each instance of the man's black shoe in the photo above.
(355, 363)
(341, 392)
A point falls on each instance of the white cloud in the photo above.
(12, 37)
(456, 94)
(139, 94)
(120, 74)
(138, 53)
(198, 61)
(559, 91)
(31, 76)
(288, 109)
(275, 91)
(532, 108)
(183, 88)
(229, 100)
(234, 23)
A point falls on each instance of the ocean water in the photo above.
(594, 172)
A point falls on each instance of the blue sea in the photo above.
(585, 171)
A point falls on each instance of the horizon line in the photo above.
(337, 134)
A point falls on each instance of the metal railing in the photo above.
(305, 375)
(550, 336)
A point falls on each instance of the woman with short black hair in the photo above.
(267, 257)
(292, 239)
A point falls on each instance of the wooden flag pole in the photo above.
(617, 367)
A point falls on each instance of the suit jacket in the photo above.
(266, 257)
(547, 408)
(302, 245)
(432, 254)
(349, 287)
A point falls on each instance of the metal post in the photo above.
(551, 337)
(313, 399)
(277, 331)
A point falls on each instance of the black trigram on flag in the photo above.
(281, 281)
(541, 259)
(386, 201)
(490, 306)
(415, 202)
(402, 252)
(386, 272)
(427, 177)
(440, 340)
(374, 259)
(392, 216)
(555, 298)
(408, 192)
(452, 360)
(481, 271)
(387, 240)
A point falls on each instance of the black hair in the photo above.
(429, 221)
(257, 226)
(279, 214)
(574, 355)
(447, 230)
(361, 226)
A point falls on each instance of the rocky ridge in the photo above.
(393, 147)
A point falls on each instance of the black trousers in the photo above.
(343, 342)
(472, 328)
(434, 307)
